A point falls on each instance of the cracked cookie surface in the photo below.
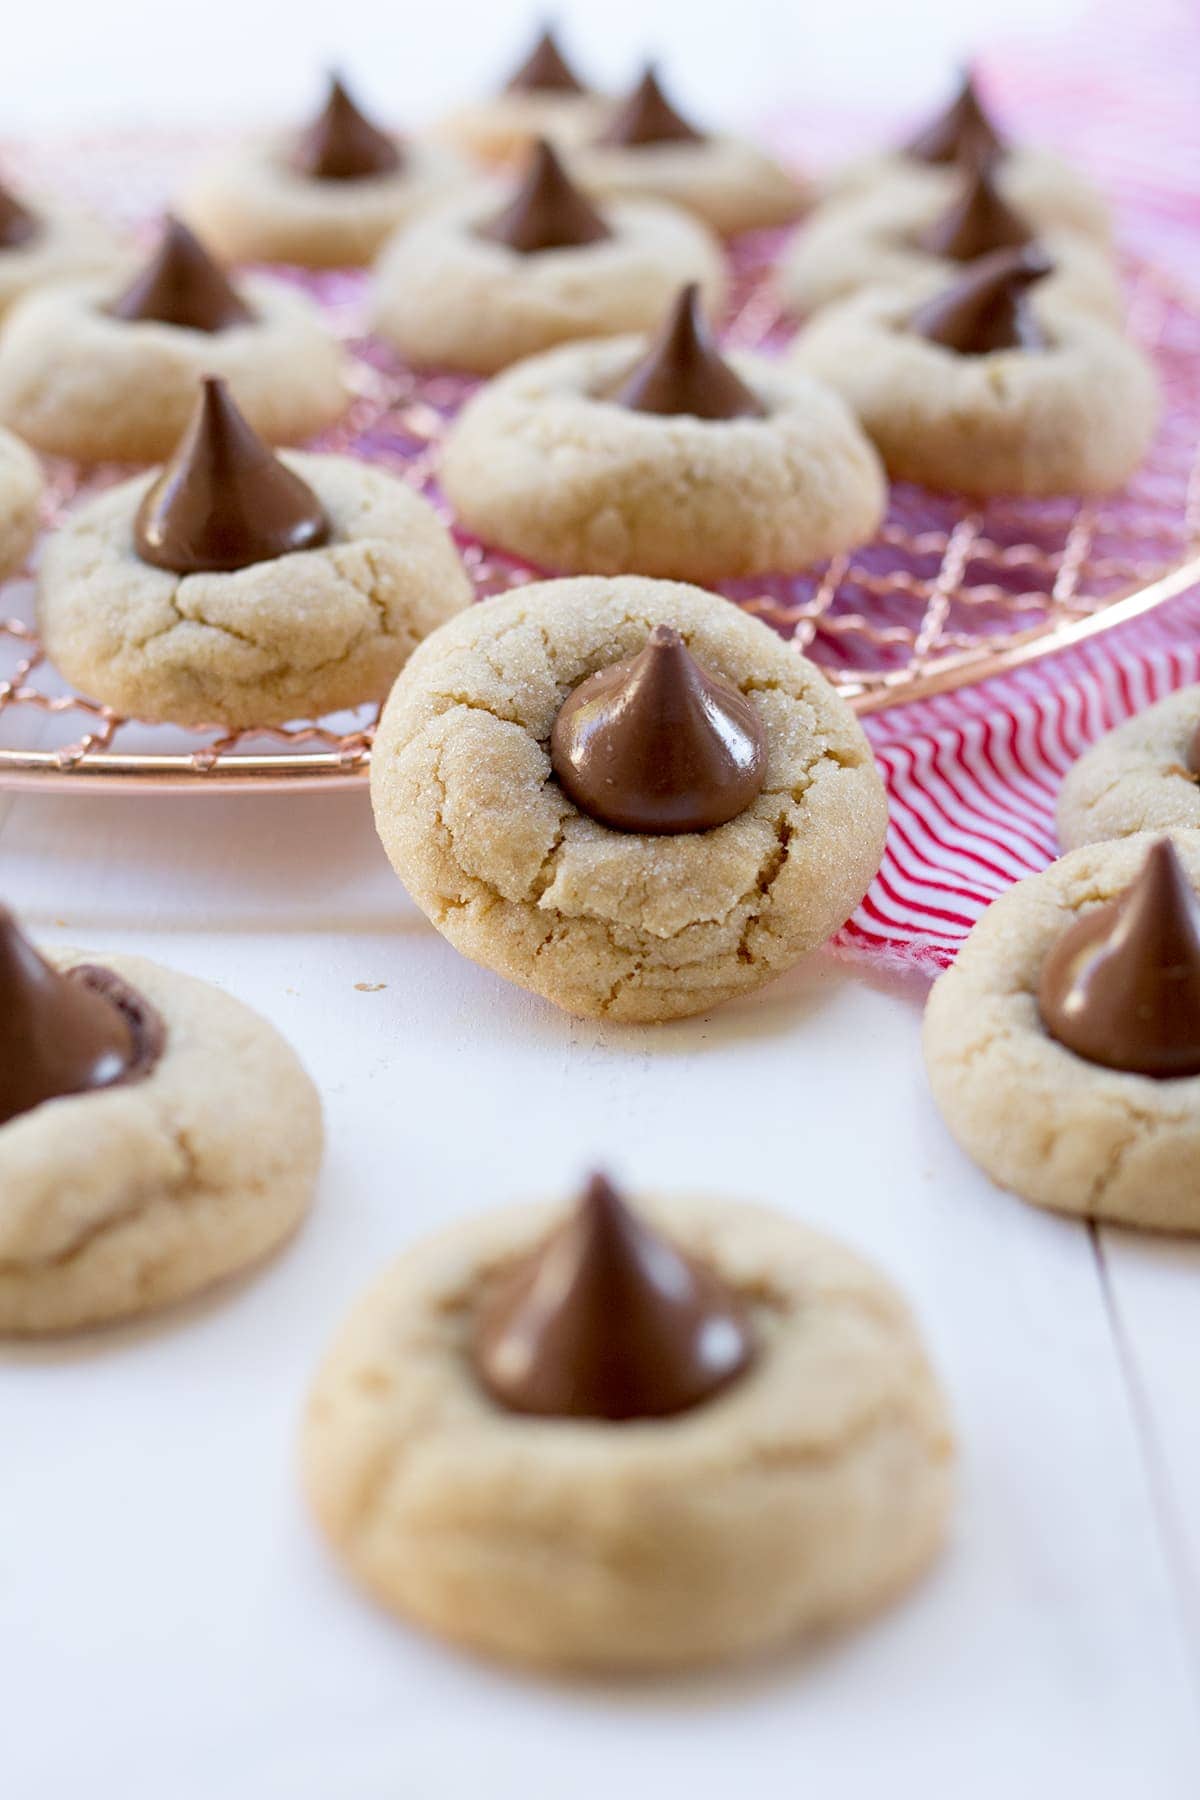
(808, 1493)
(445, 295)
(20, 494)
(541, 464)
(1058, 1130)
(119, 1201)
(1076, 417)
(608, 923)
(76, 382)
(296, 637)
(1135, 778)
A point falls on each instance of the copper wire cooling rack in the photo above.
(948, 593)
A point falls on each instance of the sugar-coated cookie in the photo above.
(43, 239)
(1099, 1116)
(633, 1515)
(1074, 413)
(500, 275)
(1144, 776)
(156, 1136)
(1042, 186)
(542, 98)
(20, 493)
(98, 372)
(1039, 184)
(646, 150)
(887, 237)
(767, 833)
(327, 198)
(242, 589)
(662, 459)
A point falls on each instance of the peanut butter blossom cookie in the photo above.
(482, 282)
(991, 384)
(240, 588)
(1144, 776)
(155, 1136)
(99, 374)
(20, 493)
(630, 1437)
(881, 237)
(648, 149)
(663, 458)
(1063, 1047)
(542, 98)
(1041, 186)
(626, 795)
(44, 240)
(325, 197)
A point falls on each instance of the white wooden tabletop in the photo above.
(170, 1616)
(169, 1623)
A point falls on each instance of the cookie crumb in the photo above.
(369, 987)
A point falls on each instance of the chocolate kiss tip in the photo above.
(985, 309)
(182, 285)
(57, 1035)
(545, 70)
(961, 132)
(976, 222)
(1193, 756)
(683, 371)
(17, 223)
(648, 117)
(1121, 988)
(659, 745)
(609, 1321)
(548, 211)
(342, 144)
(224, 500)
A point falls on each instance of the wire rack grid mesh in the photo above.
(948, 592)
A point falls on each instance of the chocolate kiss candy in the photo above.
(17, 223)
(224, 500)
(657, 744)
(647, 117)
(341, 144)
(978, 222)
(608, 1321)
(1122, 985)
(57, 1035)
(545, 71)
(986, 308)
(547, 212)
(684, 372)
(182, 285)
(963, 133)
(1193, 761)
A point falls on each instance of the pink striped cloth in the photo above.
(973, 776)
